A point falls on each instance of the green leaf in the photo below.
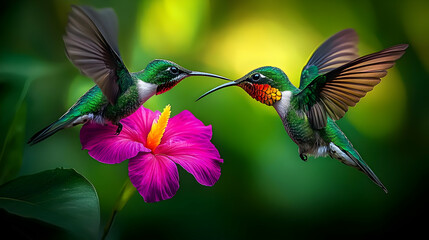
(13, 147)
(60, 197)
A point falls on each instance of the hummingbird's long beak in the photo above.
(194, 73)
(228, 84)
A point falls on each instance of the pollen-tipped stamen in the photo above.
(158, 128)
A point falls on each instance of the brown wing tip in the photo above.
(77, 8)
(348, 32)
(397, 48)
(402, 46)
(395, 52)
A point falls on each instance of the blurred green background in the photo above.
(265, 190)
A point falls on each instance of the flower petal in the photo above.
(155, 177)
(141, 121)
(186, 126)
(200, 158)
(105, 146)
(186, 141)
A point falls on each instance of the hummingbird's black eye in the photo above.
(174, 70)
(256, 76)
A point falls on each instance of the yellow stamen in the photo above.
(158, 128)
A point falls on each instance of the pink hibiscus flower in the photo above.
(154, 144)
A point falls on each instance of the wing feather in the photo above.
(91, 45)
(338, 50)
(344, 86)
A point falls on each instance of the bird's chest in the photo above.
(127, 104)
(308, 140)
(298, 127)
(295, 124)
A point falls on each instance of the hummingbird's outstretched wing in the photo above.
(333, 93)
(338, 50)
(91, 45)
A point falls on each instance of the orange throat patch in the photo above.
(263, 93)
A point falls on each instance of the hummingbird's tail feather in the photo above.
(367, 170)
(51, 129)
(352, 158)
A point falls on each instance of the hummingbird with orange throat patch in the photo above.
(91, 45)
(334, 79)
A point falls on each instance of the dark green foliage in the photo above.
(60, 197)
(13, 146)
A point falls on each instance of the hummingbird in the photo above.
(91, 45)
(334, 79)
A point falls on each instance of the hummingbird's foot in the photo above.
(303, 157)
(119, 129)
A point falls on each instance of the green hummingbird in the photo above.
(91, 45)
(334, 79)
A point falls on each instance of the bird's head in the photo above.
(264, 84)
(167, 74)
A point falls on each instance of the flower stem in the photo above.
(127, 191)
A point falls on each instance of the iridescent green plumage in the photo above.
(333, 80)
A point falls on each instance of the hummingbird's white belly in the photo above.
(85, 118)
(335, 152)
(320, 151)
(332, 150)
